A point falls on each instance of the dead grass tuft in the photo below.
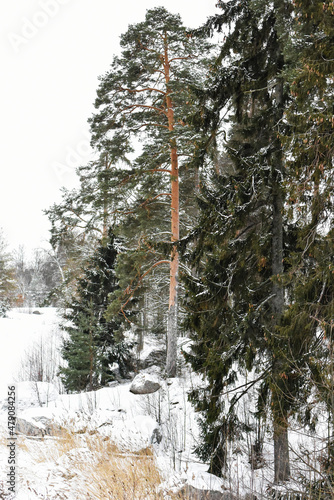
(105, 471)
(126, 476)
(20, 443)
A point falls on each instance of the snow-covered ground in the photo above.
(19, 331)
(164, 420)
(50, 466)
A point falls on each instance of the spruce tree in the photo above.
(308, 142)
(309, 116)
(84, 361)
(236, 302)
(93, 343)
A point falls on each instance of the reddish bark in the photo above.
(175, 230)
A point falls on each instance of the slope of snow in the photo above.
(164, 421)
(18, 331)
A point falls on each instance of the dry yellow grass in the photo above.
(122, 476)
(20, 442)
(106, 472)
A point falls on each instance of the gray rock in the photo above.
(144, 383)
(28, 428)
(50, 427)
(39, 427)
(155, 358)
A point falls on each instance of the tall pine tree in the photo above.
(146, 97)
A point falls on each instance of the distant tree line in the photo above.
(28, 280)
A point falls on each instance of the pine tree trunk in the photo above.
(280, 418)
(277, 254)
(172, 319)
(144, 325)
(174, 271)
(175, 230)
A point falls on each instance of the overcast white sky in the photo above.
(52, 52)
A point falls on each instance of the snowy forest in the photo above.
(204, 223)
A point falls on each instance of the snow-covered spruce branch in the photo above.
(149, 200)
(184, 58)
(265, 301)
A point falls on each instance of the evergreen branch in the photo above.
(140, 279)
(265, 301)
(149, 125)
(129, 177)
(267, 87)
(86, 223)
(154, 198)
(144, 47)
(132, 107)
(158, 170)
(321, 322)
(159, 71)
(183, 58)
(142, 204)
(122, 89)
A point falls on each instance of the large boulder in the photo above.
(145, 383)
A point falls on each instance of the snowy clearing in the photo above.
(71, 435)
